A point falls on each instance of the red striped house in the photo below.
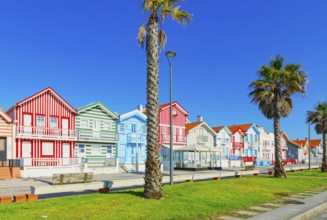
(45, 130)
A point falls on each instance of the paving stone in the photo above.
(229, 218)
(273, 204)
(260, 208)
(243, 212)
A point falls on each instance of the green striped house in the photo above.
(97, 133)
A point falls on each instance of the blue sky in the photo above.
(87, 52)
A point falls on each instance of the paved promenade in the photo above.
(311, 204)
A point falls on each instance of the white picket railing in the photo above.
(28, 131)
(49, 162)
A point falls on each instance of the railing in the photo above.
(238, 145)
(49, 162)
(165, 138)
(28, 131)
(254, 144)
(100, 161)
(97, 135)
(234, 157)
(10, 163)
(133, 137)
(249, 159)
(202, 138)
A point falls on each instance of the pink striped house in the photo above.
(45, 132)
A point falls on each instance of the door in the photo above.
(66, 153)
(3, 156)
(64, 126)
(27, 123)
(27, 153)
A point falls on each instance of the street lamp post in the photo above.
(171, 56)
(309, 145)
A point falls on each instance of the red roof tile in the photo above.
(217, 129)
(315, 142)
(190, 126)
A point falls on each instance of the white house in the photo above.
(266, 151)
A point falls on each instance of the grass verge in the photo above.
(182, 201)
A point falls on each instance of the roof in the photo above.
(302, 143)
(246, 127)
(235, 129)
(5, 116)
(48, 89)
(167, 105)
(217, 129)
(190, 126)
(135, 112)
(315, 142)
(102, 106)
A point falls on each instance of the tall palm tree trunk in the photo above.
(279, 168)
(324, 153)
(153, 175)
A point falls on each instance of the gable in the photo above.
(96, 111)
(4, 116)
(49, 93)
(133, 114)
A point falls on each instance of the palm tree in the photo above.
(272, 92)
(155, 39)
(319, 117)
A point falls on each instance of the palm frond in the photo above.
(182, 17)
(141, 36)
(162, 39)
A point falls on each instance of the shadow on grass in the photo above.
(130, 192)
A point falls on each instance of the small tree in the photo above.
(272, 93)
(319, 118)
(155, 40)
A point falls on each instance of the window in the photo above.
(109, 149)
(96, 149)
(122, 150)
(143, 150)
(122, 127)
(144, 129)
(53, 122)
(47, 149)
(40, 121)
(106, 125)
(164, 130)
(81, 148)
(84, 123)
(133, 128)
(96, 125)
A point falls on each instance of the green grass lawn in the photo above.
(182, 201)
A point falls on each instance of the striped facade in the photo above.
(97, 133)
(6, 135)
(44, 126)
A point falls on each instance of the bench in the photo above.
(69, 178)
(250, 167)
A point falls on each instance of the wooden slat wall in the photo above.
(5, 128)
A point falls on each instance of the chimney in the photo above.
(200, 119)
(140, 107)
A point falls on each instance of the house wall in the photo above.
(251, 143)
(96, 143)
(6, 135)
(178, 122)
(194, 139)
(129, 138)
(224, 142)
(48, 105)
(267, 148)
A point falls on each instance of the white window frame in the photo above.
(38, 121)
(96, 149)
(106, 126)
(47, 148)
(52, 124)
(122, 127)
(84, 123)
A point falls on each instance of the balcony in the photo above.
(133, 138)
(46, 133)
(97, 136)
(165, 139)
(49, 162)
(238, 145)
(202, 138)
(254, 144)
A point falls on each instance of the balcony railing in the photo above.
(49, 162)
(165, 138)
(133, 137)
(202, 138)
(238, 145)
(254, 144)
(44, 132)
(97, 135)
